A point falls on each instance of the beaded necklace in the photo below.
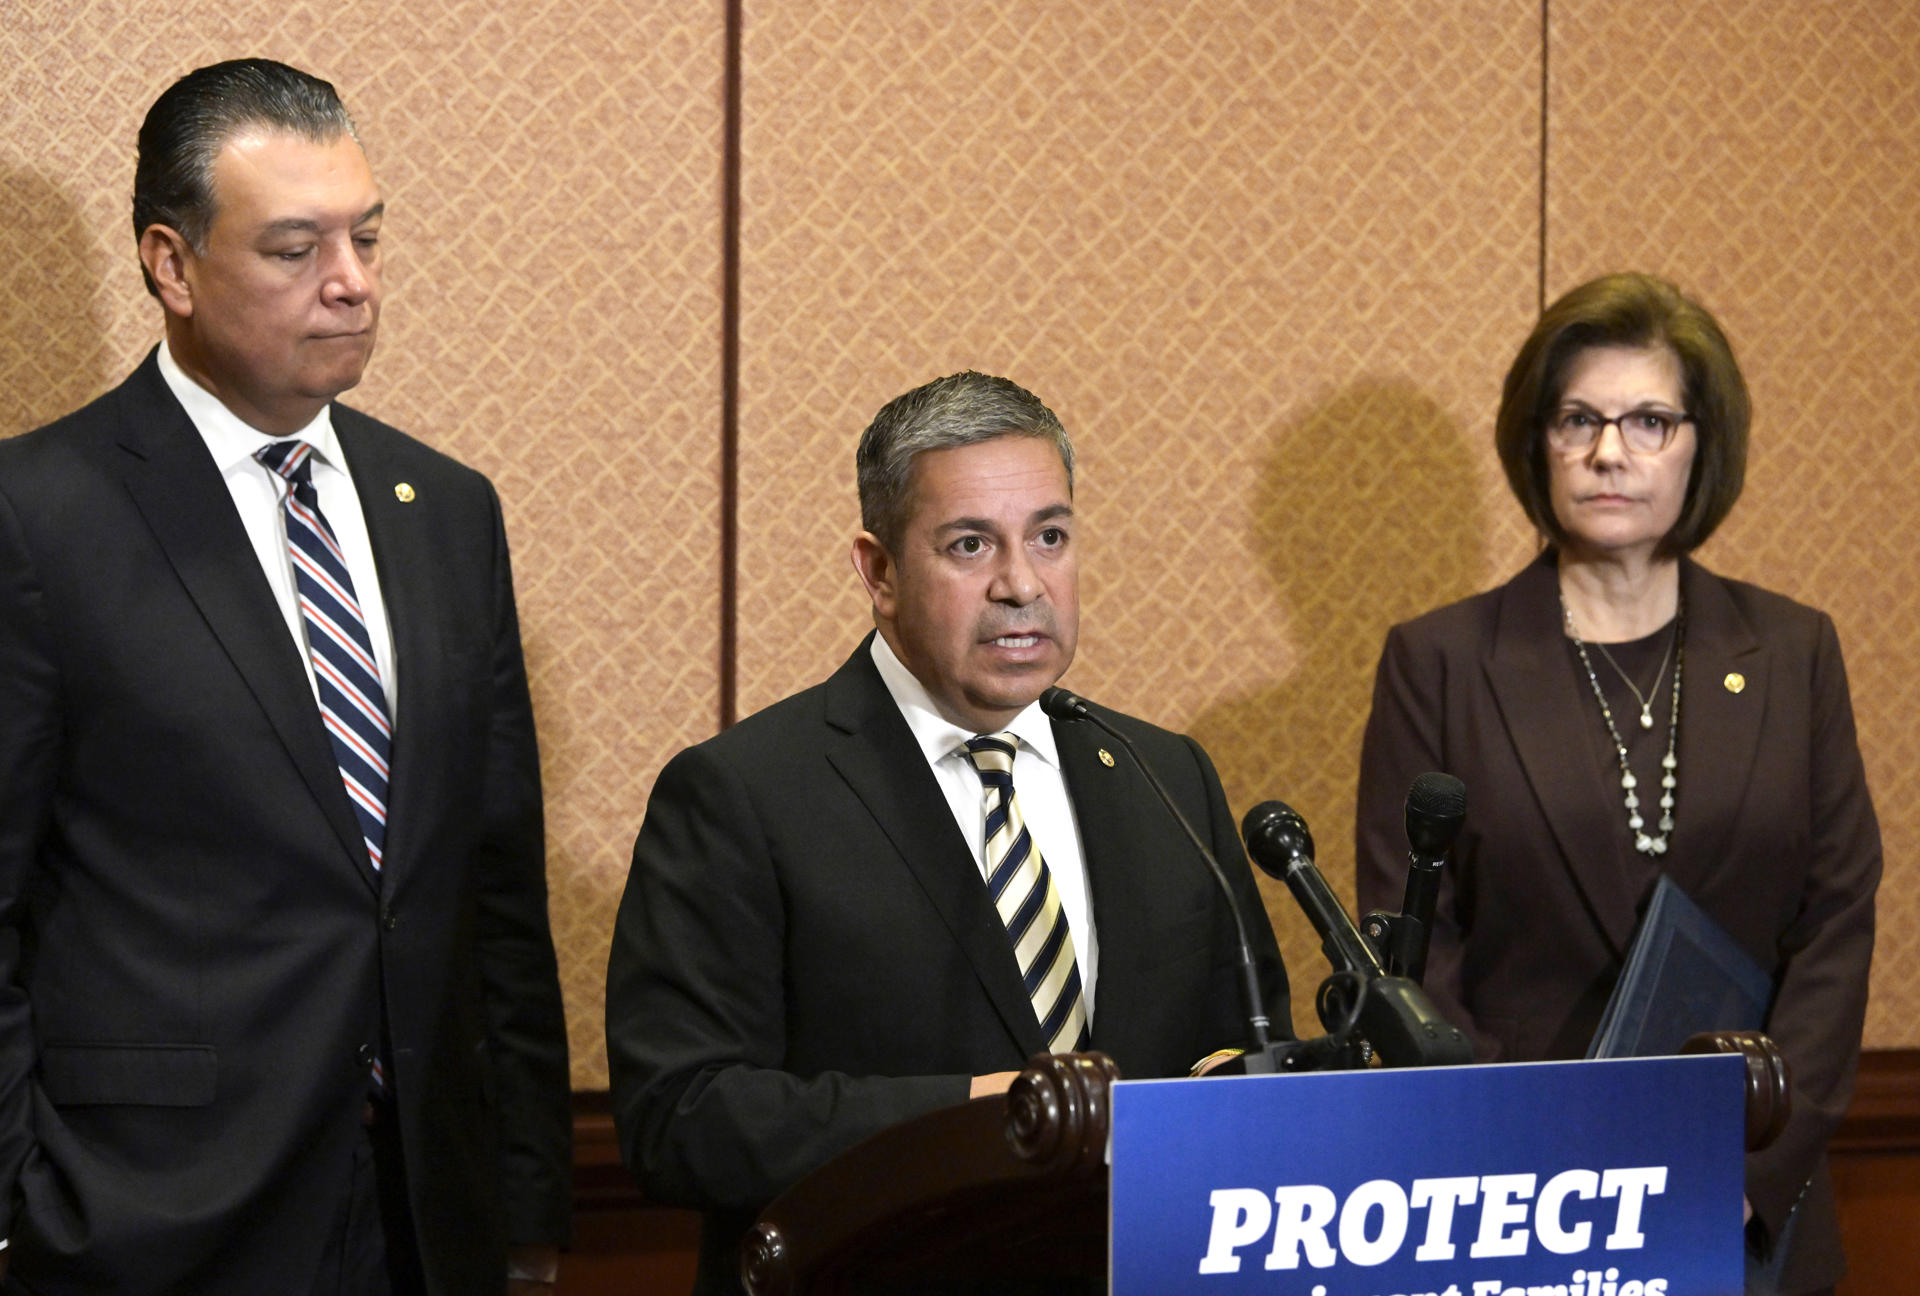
(1644, 842)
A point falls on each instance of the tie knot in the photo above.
(291, 459)
(992, 753)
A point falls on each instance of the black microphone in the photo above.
(1278, 840)
(1396, 1016)
(1436, 810)
(1062, 705)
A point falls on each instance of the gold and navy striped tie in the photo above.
(1022, 890)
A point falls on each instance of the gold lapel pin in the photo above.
(1106, 758)
(403, 491)
(1735, 681)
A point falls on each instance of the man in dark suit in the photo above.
(833, 922)
(278, 1002)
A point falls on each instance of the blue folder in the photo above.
(1684, 975)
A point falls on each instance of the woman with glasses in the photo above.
(1617, 712)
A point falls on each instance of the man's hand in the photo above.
(987, 1086)
(532, 1270)
(1217, 1058)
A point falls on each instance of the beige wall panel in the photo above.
(1767, 157)
(1263, 259)
(552, 173)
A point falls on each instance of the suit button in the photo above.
(365, 1055)
(389, 920)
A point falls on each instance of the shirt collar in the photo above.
(938, 736)
(231, 440)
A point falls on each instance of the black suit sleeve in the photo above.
(1820, 1007)
(29, 746)
(696, 1021)
(526, 1022)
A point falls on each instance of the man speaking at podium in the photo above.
(884, 894)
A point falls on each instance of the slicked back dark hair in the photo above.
(194, 118)
(960, 409)
(1629, 310)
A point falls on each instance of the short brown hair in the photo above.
(1629, 310)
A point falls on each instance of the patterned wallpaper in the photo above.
(1267, 262)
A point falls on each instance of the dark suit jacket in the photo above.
(194, 950)
(806, 952)
(1774, 836)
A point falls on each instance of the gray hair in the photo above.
(958, 410)
(195, 117)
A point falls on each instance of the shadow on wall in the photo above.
(1368, 512)
(53, 349)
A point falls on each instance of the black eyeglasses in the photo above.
(1644, 431)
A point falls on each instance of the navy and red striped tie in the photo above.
(352, 704)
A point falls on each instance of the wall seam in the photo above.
(730, 371)
(1545, 50)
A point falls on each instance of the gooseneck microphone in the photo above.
(1393, 1013)
(1062, 705)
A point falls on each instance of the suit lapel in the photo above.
(178, 489)
(1540, 705)
(870, 746)
(1120, 820)
(399, 533)
(1719, 726)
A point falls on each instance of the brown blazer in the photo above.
(1775, 836)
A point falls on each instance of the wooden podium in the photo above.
(1009, 1188)
(993, 1188)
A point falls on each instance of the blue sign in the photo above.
(1613, 1178)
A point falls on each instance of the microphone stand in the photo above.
(1436, 811)
(1392, 1013)
(1263, 1055)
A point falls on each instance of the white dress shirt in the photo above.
(259, 495)
(1037, 781)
